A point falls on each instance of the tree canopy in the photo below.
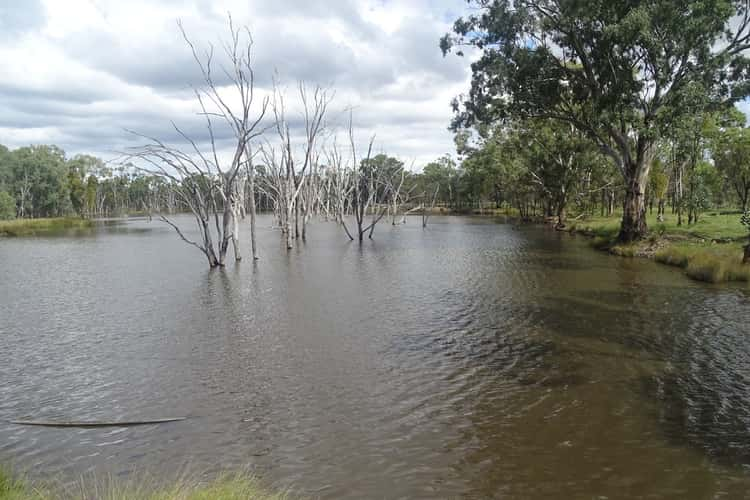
(620, 71)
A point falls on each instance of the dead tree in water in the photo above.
(425, 213)
(376, 187)
(396, 182)
(339, 182)
(208, 187)
(287, 172)
(364, 190)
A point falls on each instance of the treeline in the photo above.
(40, 181)
(537, 168)
(548, 168)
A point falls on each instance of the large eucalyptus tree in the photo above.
(615, 69)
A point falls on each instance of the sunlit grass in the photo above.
(12, 487)
(710, 226)
(227, 487)
(713, 263)
(33, 227)
(710, 250)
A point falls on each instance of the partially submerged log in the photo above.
(53, 423)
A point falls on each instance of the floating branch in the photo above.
(52, 423)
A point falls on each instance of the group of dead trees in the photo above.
(295, 166)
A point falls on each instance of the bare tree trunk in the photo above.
(252, 212)
(425, 214)
(236, 210)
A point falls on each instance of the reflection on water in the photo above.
(469, 359)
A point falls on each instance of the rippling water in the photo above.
(470, 359)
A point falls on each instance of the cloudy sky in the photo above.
(77, 73)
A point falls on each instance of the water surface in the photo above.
(470, 359)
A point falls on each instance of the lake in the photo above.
(470, 359)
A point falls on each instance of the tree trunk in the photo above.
(288, 223)
(226, 233)
(236, 210)
(208, 246)
(561, 215)
(633, 225)
(746, 256)
(296, 221)
(252, 213)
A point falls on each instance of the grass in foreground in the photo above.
(227, 487)
(34, 227)
(13, 488)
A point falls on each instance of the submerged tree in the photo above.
(615, 69)
(289, 161)
(199, 178)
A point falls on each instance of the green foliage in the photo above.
(443, 175)
(7, 206)
(43, 184)
(659, 180)
(731, 152)
(624, 73)
(597, 60)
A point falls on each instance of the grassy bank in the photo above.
(710, 250)
(35, 227)
(228, 487)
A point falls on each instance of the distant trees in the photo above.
(7, 206)
(42, 182)
(731, 153)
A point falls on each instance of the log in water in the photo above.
(52, 423)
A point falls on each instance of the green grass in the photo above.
(35, 227)
(226, 487)
(13, 488)
(711, 226)
(710, 262)
(710, 250)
